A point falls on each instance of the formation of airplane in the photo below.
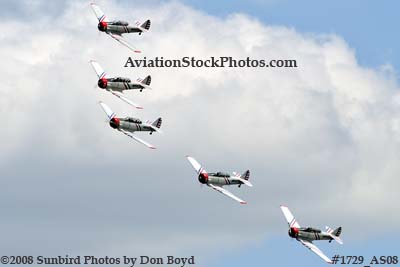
(306, 235)
(116, 28)
(218, 179)
(117, 85)
(129, 125)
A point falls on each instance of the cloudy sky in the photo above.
(323, 139)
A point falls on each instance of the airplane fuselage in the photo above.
(114, 84)
(117, 28)
(309, 233)
(129, 125)
(219, 179)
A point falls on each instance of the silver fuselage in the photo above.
(121, 86)
(118, 84)
(219, 179)
(216, 180)
(119, 29)
(134, 127)
(309, 234)
(129, 125)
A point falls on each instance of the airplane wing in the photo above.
(120, 39)
(289, 217)
(107, 110)
(315, 249)
(126, 100)
(134, 137)
(227, 193)
(196, 166)
(98, 69)
(98, 12)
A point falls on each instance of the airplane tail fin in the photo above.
(246, 175)
(244, 178)
(337, 231)
(157, 123)
(146, 25)
(335, 234)
(146, 81)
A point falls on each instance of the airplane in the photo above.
(219, 179)
(116, 28)
(117, 85)
(307, 235)
(130, 125)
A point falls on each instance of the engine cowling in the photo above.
(102, 83)
(114, 123)
(293, 232)
(203, 178)
(102, 26)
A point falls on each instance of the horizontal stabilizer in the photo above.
(337, 239)
(246, 182)
(335, 234)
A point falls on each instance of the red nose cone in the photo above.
(114, 123)
(293, 232)
(102, 83)
(203, 178)
(102, 26)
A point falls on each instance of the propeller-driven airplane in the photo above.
(130, 125)
(307, 235)
(219, 179)
(116, 28)
(117, 85)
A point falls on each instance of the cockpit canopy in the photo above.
(222, 174)
(119, 23)
(120, 79)
(133, 120)
(311, 230)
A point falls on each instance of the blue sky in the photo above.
(370, 27)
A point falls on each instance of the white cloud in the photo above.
(323, 138)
